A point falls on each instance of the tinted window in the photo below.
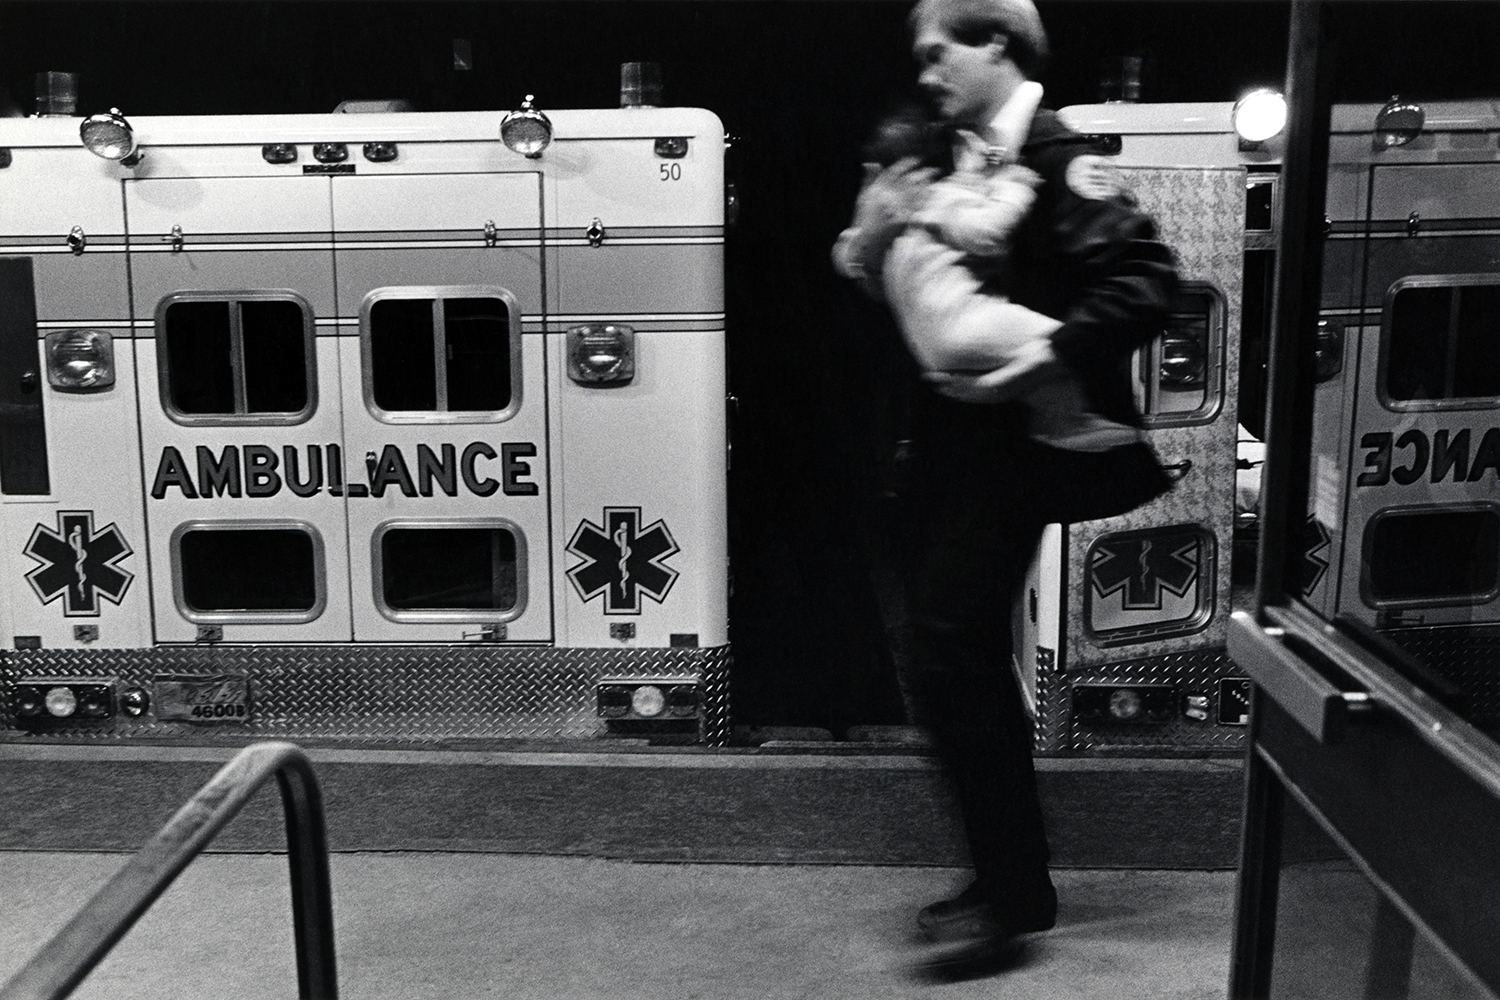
(236, 357)
(1177, 374)
(1434, 555)
(275, 365)
(402, 369)
(248, 569)
(478, 354)
(1443, 343)
(200, 364)
(1150, 584)
(449, 569)
(450, 354)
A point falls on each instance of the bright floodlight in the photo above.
(1259, 115)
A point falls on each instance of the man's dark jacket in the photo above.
(1091, 260)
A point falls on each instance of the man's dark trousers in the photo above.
(972, 529)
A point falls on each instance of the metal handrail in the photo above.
(62, 963)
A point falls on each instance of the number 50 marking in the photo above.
(671, 171)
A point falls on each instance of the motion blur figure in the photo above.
(1082, 272)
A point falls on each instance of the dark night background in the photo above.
(798, 82)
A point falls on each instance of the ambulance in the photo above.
(375, 424)
(1123, 624)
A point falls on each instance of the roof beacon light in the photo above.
(1260, 115)
(1398, 123)
(110, 136)
(526, 130)
(640, 85)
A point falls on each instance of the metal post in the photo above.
(1284, 483)
(62, 963)
(1259, 879)
(1299, 287)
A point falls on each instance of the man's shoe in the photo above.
(975, 959)
(966, 915)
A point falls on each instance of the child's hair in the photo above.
(908, 131)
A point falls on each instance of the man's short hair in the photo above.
(975, 22)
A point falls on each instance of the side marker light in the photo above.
(601, 354)
(80, 360)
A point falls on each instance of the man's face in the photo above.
(964, 82)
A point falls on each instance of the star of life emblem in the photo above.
(622, 561)
(1150, 583)
(1144, 569)
(78, 564)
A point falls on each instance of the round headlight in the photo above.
(526, 131)
(61, 702)
(110, 136)
(1259, 115)
(648, 701)
(1125, 704)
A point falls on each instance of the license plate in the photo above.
(217, 698)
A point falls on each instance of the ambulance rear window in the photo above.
(248, 572)
(462, 568)
(1433, 556)
(1179, 376)
(236, 359)
(1443, 342)
(448, 353)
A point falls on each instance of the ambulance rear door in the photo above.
(1156, 581)
(71, 539)
(240, 404)
(1422, 535)
(444, 391)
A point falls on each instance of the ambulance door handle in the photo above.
(491, 234)
(1178, 470)
(174, 238)
(77, 240)
(1283, 663)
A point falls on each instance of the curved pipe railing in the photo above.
(63, 962)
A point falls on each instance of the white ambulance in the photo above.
(372, 425)
(1404, 535)
(1122, 627)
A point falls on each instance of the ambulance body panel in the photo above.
(1404, 489)
(355, 476)
(1413, 548)
(1126, 617)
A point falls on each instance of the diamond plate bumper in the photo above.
(1059, 730)
(412, 693)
